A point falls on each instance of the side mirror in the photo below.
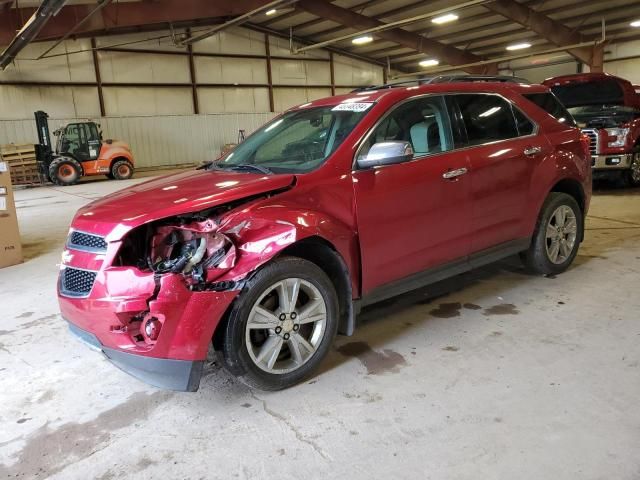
(386, 153)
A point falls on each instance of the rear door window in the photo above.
(486, 118)
(525, 126)
(550, 104)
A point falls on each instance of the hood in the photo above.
(114, 215)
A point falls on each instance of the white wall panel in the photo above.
(75, 67)
(148, 68)
(160, 140)
(285, 98)
(348, 71)
(18, 102)
(147, 101)
(213, 100)
(230, 70)
(299, 72)
(343, 91)
(233, 40)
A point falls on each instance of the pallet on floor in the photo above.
(22, 163)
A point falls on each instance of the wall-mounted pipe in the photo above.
(30, 30)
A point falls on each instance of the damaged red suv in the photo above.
(270, 251)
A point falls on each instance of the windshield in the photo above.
(296, 142)
(601, 92)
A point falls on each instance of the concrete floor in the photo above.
(506, 376)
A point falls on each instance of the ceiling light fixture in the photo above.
(432, 62)
(449, 17)
(518, 46)
(271, 12)
(635, 23)
(362, 40)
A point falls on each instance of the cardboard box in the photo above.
(10, 245)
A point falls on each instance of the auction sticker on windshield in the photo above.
(352, 107)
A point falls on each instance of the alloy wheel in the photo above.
(561, 234)
(286, 325)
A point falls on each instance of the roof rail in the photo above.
(446, 79)
(477, 78)
(421, 81)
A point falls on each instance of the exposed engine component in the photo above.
(191, 250)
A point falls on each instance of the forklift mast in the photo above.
(44, 151)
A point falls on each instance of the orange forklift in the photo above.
(80, 151)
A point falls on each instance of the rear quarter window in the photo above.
(549, 103)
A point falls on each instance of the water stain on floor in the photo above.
(502, 309)
(376, 363)
(447, 310)
(48, 450)
(472, 306)
(25, 315)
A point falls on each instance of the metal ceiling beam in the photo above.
(501, 38)
(125, 17)
(381, 26)
(505, 58)
(30, 30)
(239, 20)
(443, 53)
(554, 31)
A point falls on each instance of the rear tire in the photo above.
(557, 236)
(65, 171)
(275, 338)
(121, 170)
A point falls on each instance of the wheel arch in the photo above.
(571, 187)
(324, 255)
(119, 157)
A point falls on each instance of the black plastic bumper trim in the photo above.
(179, 375)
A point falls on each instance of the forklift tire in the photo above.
(121, 170)
(65, 171)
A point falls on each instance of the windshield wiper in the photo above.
(251, 166)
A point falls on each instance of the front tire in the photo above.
(121, 170)
(557, 235)
(631, 177)
(281, 325)
(65, 171)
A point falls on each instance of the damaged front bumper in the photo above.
(114, 324)
(181, 375)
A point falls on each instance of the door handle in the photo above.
(531, 151)
(448, 175)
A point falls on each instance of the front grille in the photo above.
(86, 241)
(593, 140)
(75, 282)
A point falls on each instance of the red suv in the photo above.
(342, 202)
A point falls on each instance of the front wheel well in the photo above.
(573, 188)
(320, 252)
(117, 159)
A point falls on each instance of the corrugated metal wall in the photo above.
(148, 92)
(157, 140)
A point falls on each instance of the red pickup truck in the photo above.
(607, 109)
